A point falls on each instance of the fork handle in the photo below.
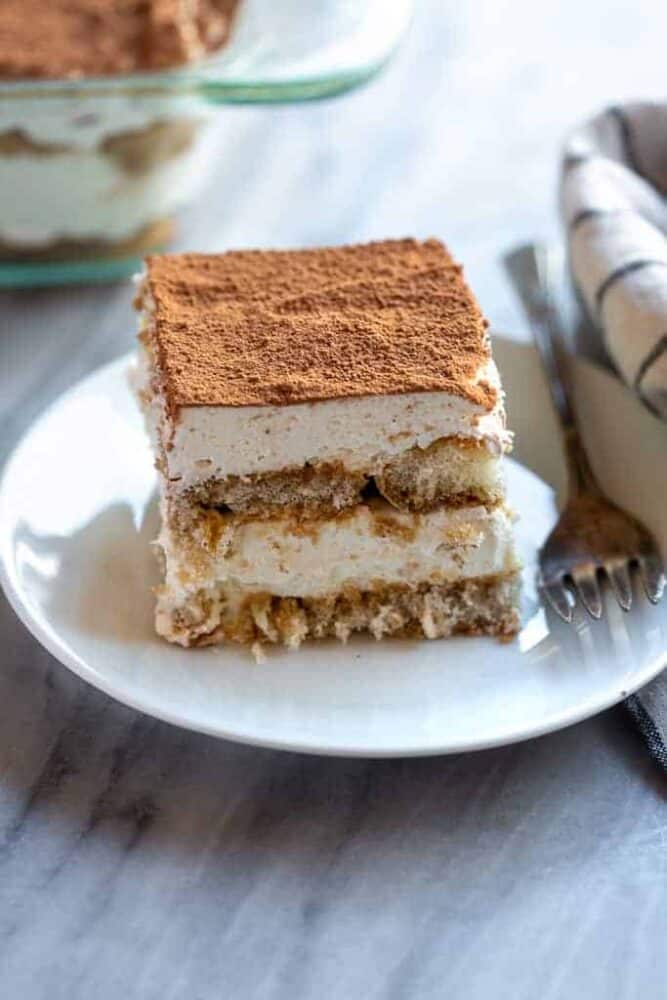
(533, 272)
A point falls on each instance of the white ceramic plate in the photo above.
(77, 515)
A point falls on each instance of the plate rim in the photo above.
(62, 652)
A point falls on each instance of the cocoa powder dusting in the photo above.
(76, 38)
(254, 328)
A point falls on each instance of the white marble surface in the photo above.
(137, 860)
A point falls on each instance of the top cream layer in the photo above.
(85, 122)
(207, 442)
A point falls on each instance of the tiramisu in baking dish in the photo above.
(99, 173)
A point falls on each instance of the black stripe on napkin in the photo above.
(575, 159)
(620, 272)
(648, 729)
(595, 213)
(653, 355)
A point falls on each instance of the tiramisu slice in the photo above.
(329, 431)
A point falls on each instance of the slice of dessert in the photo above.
(329, 431)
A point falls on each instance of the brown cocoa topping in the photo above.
(257, 328)
(76, 38)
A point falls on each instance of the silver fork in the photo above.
(593, 537)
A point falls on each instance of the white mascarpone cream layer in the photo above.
(361, 432)
(85, 121)
(86, 196)
(369, 545)
(79, 192)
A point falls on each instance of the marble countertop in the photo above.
(138, 860)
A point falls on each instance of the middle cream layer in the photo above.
(363, 547)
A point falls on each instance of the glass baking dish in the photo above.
(93, 171)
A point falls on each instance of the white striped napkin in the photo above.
(614, 203)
